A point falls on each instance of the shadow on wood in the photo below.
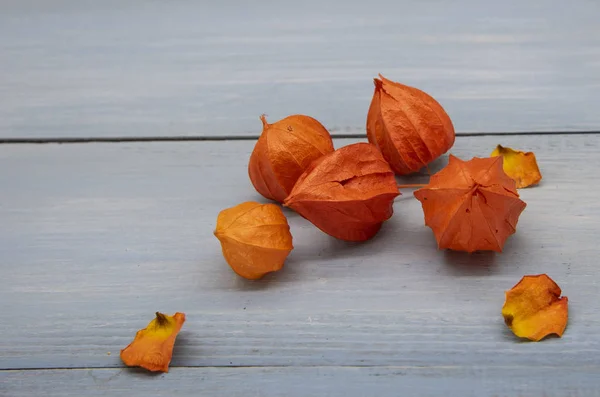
(139, 372)
(466, 264)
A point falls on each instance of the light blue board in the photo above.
(72, 68)
(347, 381)
(95, 238)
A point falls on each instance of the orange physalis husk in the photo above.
(534, 308)
(471, 205)
(152, 347)
(410, 128)
(520, 166)
(284, 150)
(255, 238)
(347, 194)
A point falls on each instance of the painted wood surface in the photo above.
(95, 238)
(306, 381)
(72, 68)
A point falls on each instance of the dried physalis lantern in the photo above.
(520, 166)
(284, 150)
(255, 238)
(348, 194)
(409, 127)
(534, 308)
(152, 347)
(471, 205)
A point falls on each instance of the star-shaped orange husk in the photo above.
(471, 205)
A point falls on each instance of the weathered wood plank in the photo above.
(74, 68)
(308, 381)
(94, 238)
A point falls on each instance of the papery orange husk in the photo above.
(348, 194)
(534, 308)
(255, 238)
(284, 150)
(520, 166)
(152, 347)
(471, 205)
(410, 128)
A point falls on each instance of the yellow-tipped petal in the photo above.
(534, 308)
(152, 347)
(520, 166)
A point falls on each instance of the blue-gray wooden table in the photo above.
(126, 126)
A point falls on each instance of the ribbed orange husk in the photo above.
(284, 150)
(471, 205)
(410, 128)
(255, 238)
(348, 194)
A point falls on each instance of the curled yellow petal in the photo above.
(534, 308)
(520, 166)
(152, 347)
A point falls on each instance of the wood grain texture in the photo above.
(95, 238)
(308, 381)
(73, 68)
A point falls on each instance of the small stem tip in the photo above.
(263, 118)
(161, 319)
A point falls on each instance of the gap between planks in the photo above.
(233, 367)
(8, 141)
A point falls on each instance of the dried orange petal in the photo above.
(520, 166)
(534, 308)
(152, 347)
